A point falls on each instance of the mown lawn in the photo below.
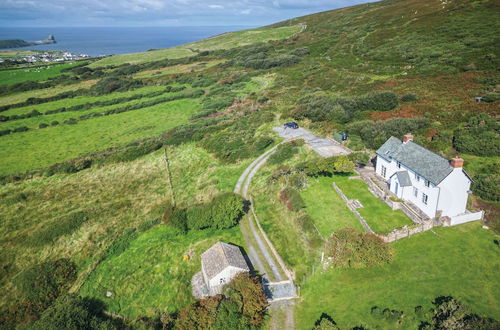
(36, 73)
(151, 276)
(40, 148)
(460, 261)
(381, 218)
(326, 208)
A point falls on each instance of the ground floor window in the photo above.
(384, 171)
(415, 192)
(424, 198)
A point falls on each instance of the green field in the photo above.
(35, 73)
(43, 107)
(223, 41)
(34, 122)
(379, 216)
(37, 149)
(151, 276)
(459, 261)
(46, 92)
(333, 213)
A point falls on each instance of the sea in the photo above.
(96, 41)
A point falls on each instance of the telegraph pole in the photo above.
(169, 174)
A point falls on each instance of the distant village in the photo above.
(45, 57)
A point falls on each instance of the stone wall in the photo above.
(406, 231)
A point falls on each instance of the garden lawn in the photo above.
(40, 148)
(326, 208)
(379, 216)
(460, 261)
(35, 73)
(151, 275)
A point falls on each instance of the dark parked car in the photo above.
(291, 124)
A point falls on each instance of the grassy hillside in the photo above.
(83, 174)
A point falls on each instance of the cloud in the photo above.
(158, 12)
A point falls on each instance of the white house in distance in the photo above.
(437, 186)
(219, 265)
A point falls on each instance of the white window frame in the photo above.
(427, 183)
(399, 165)
(425, 198)
(417, 177)
(383, 171)
(415, 191)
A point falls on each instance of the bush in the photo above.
(348, 248)
(73, 312)
(360, 158)
(450, 313)
(486, 186)
(320, 108)
(284, 152)
(178, 220)
(43, 125)
(54, 123)
(5, 132)
(479, 136)
(409, 98)
(20, 129)
(41, 284)
(326, 166)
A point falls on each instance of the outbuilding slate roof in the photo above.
(403, 178)
(424, 162)
(222, 255)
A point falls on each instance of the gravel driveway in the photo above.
(324, 147)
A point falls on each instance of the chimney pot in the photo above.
(408, 137)
(457, 162)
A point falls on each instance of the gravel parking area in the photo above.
(324, 147)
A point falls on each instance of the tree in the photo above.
(229, 316)
(325, 322)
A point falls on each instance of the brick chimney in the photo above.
(408, 137)
(457, 162)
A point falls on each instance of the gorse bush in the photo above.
(486, 186)
(326, 166)
(291, 199)
(374, 134)
(348, 248)
(479, 137)
(41, 284)
(222, 212)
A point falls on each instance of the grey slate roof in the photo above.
(424, 162)
(221, 255)
(403, 178)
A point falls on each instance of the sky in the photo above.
(136, 13)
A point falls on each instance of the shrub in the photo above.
(20, 129)
(409, 98)
(326, 166)
(325, 322)
(5, 132)
(284, 152)
(320, 108)
(348, 248)
(41, 284)
(246, 291)
(479, 136)
(450, 313)
(360, 158)
(178, 220)
(291, 199)
(54, 123)
(486, 186)
(43, 125)
(73, 312)
(224, 211)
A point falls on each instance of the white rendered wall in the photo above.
(453, 199)
(227, 274)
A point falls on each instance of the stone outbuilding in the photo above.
(219, 264)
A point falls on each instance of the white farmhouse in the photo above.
(434, 184)
(219, 265)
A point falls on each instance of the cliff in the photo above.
(15, 43)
